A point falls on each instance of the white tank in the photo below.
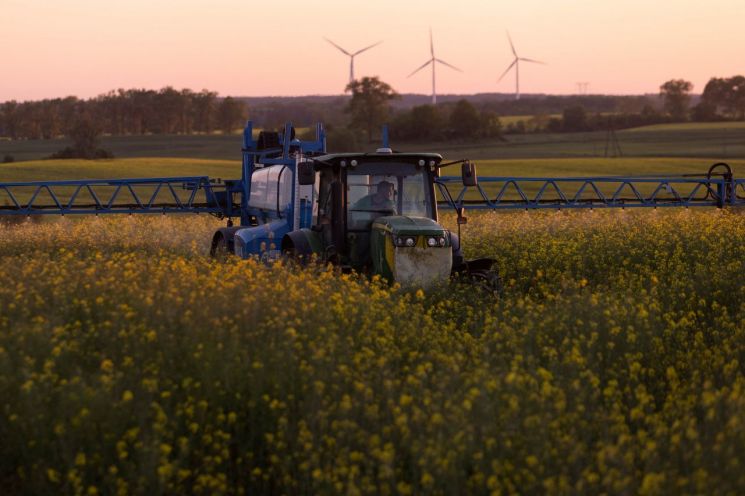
(268, 183)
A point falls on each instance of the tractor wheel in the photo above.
(219, 249)
(488, 280)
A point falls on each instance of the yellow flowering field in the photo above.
(131, 363)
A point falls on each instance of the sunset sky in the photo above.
(56, 48)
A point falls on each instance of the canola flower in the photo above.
(130, 363)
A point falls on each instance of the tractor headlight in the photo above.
(434, 241)
(404, 241)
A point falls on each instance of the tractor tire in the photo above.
(219, 249)
(488, 280)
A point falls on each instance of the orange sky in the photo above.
(56, 48)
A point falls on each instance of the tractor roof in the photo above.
(380, 156)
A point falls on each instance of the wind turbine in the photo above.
(352, 55)
(432, 61)
(516, 64)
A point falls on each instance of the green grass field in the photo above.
(57, 170)
(220, 147)
(679, 140)
(564, 166)
(231, 169)
(690, 126)
(718, 140)
(54, 170)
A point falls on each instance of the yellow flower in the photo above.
(107, 365)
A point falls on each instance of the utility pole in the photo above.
(612, 146)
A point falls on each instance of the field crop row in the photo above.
(613, 363)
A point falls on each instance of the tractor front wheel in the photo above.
(487, 279)
(481, 273)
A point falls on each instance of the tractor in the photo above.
(373, 213)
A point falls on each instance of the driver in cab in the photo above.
(380, 201)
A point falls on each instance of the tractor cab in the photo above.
(376, 213)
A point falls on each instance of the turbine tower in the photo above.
(433, 61)
(516, 64)
(352, 55)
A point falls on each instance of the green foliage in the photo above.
(490, 125)
(369, 106)
(464, 120)
(461, 121)
(727, 95)
(575, 119)
(131, 363)
(59, 170)
(676, 94)
(121, 112)
(423, 122)
(85, 135)
(340, 140)
(230, 114)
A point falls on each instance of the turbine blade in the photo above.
(366, 48)
(421, 67)
(507, 70)
(511, 45)
(451, 66)
(533, 61)
(337, 46)
(431, 43)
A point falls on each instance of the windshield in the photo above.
(386, 189)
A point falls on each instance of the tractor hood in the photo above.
(413, 251)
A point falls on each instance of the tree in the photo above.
(465, 121)
(426, 122)
(491, 126)
(169, 105)
(369, 105)
(230, 114)
(574, 119)
(341, 139)
(727, 94)
(204, 111)
(715, 94)
(9, 119)
(704, 112)
(676, 98)
(737, 96)
(84, 133)
(649, 114)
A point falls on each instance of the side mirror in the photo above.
(468, 173)
(306, 174)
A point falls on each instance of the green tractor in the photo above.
(376, 213)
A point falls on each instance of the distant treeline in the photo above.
(722, 99)
(273, 112)
(123, 112)
(171, 111)
(450, 121)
